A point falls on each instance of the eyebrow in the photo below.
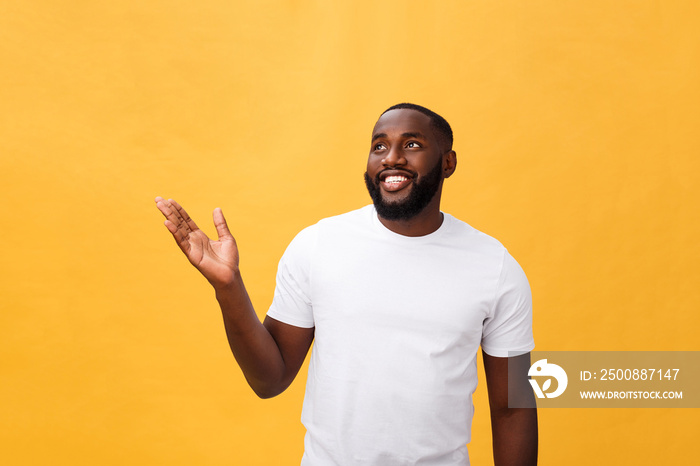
(404, 135)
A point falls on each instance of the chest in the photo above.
(424, 304)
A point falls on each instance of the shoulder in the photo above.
(486, 252)
(343, 223)
(345, 227)
(465, 235)
(359, 216)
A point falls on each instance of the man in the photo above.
(397, 297)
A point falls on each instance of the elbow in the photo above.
(266, 393)
(266, 390)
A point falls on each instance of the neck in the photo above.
(426, 222)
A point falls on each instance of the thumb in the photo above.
(220, 224)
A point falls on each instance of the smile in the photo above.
(395, 182)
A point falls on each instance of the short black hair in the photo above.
(438, 123)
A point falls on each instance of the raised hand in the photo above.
(269, 354)
(216, 260)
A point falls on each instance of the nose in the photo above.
(394, 158)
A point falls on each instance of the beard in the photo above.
(423, 191)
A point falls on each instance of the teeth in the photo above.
(395, 179)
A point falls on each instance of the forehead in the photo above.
(403, 120)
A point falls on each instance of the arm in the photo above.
(269, 354)
(514, 430)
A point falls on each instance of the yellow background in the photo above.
(577, 136)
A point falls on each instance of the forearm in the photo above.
(514, 436)
(252, 344)
(269, 354)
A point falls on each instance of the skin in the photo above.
(270, 353)
(404, 143)
(514, 430)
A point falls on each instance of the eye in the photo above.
(413, 145)
(379, 146)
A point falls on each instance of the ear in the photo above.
(449, 163)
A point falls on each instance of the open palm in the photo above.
(216, 260)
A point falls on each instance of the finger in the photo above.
(161, 205)
(174, 222)
(181, 222)
(175, 215)
(165, 209)
(220, 224)
(180, 238)
(184, 215)
(172, 228)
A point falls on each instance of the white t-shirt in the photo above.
(398, 322)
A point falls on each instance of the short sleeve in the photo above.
(507, 331)
(292, 300)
